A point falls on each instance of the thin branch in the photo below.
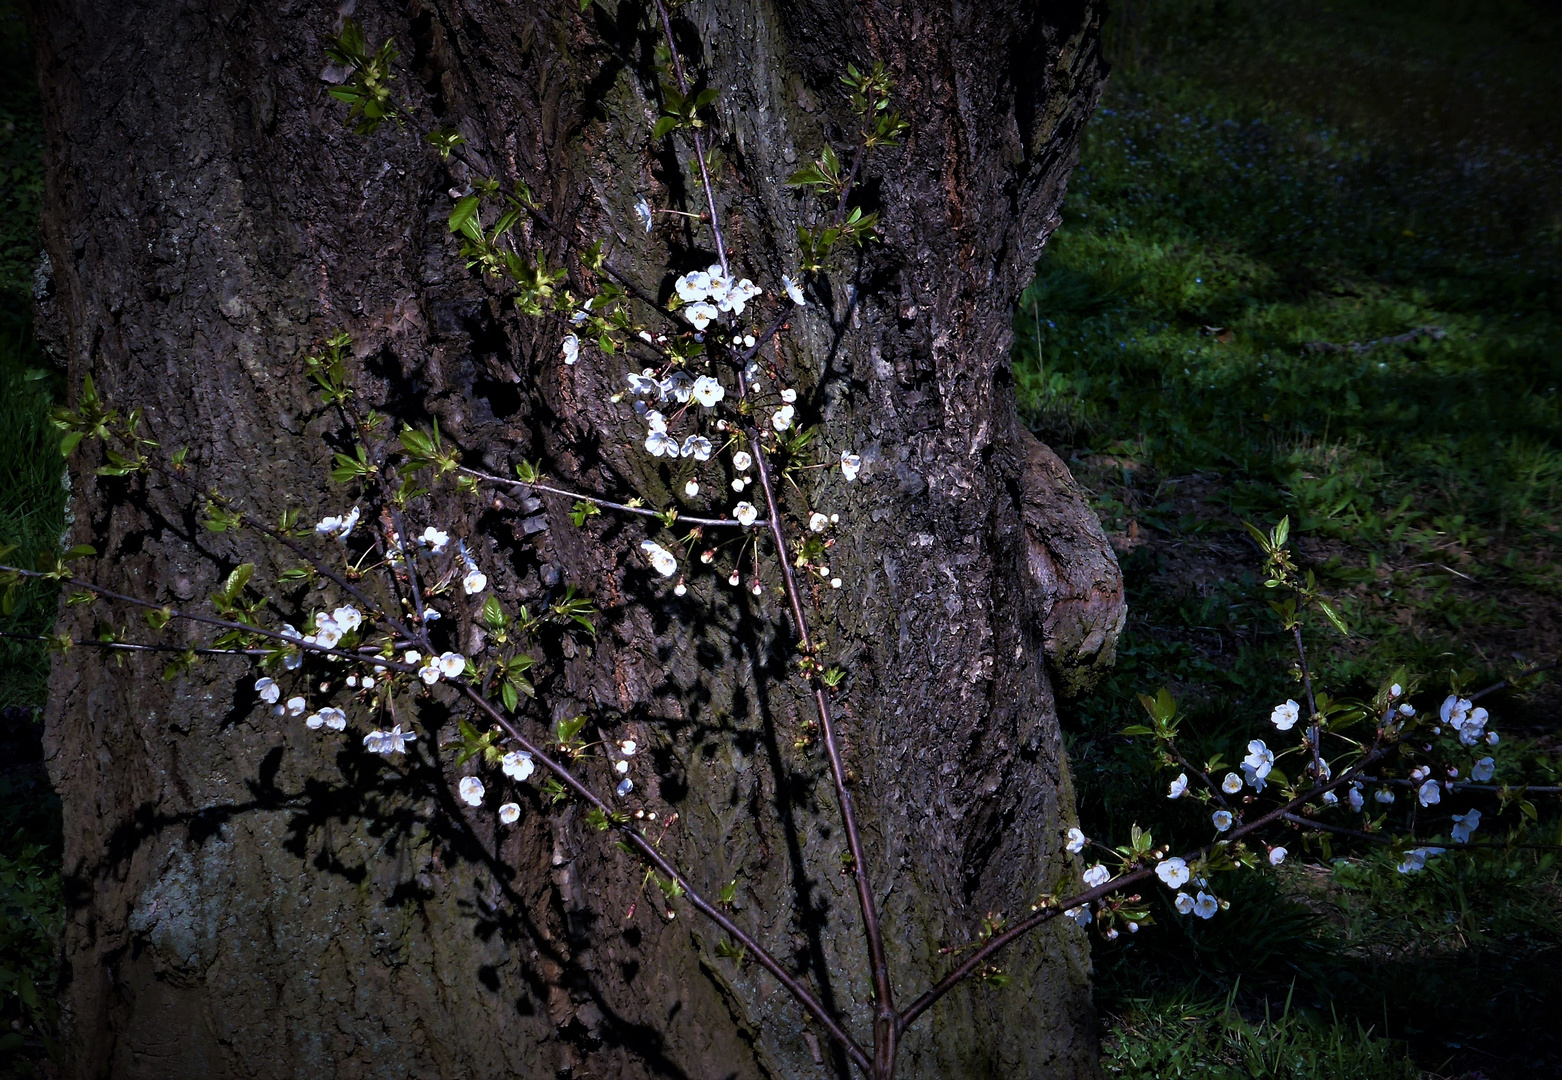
(883, 990)
(649, 852)
(1314, 733)
(605, 503)
(130, 646)
(1503, 684)
(1000, 941)
(1202, 775)
(1375, 838)
(275, 635)
(699, 144)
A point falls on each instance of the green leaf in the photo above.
(808, 176)
(465, 210)
(663, 126)
(1334, 617)
(509, 694)
(237, 580)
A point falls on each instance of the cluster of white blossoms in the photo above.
(1468, 721)
(710, 293)
(448, 665)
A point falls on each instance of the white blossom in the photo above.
(347, 617)
(1356, 801)
(327, 633)
(628, 747)
(1395, 690)
(471, 789)
(1259, 758)
(794, 290)
(644, 383)
(1276, 856)
(659, 443)
(1097, 875)
(696, 446)
(745, 513)
(1483, 770)
(314, 721)
(510, 813)
(694, 287)
(296, 706)
(1080, 914)
(1184, 903)
(1429, 793)
(429, 672)
(818, 523)
(1407, 709)
(1178, 786)
(517, 765)
(1285, 716)
(643, 212)
(621, 767)
(677, 386)
(339, 527)
(411, 657)
(782, 419)
(474, 582)
(1231, 784)
(1415, 859)
(850, 464)
(741, 461)
(1330, 798)
(333, 718)
(570, 348)
(1173, 873)
(692, 488)
(451, 664)
(434, 539)
(1257, 782)
(268, 689)
(788, 396)
(1384, 796)
(700, 315)
(663, 561)
(707, 391)
(1221, 819)
(625, 786)
(1205, 906)
(1491, 738)
(1074, 841)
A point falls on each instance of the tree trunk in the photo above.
(248, 899)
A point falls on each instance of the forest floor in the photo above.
(1310, 267)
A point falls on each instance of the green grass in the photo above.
(1181, 1037)
(1269, 191)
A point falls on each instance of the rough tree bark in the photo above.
(247, 899)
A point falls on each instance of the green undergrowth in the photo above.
(32, 518)
(1310, 268)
